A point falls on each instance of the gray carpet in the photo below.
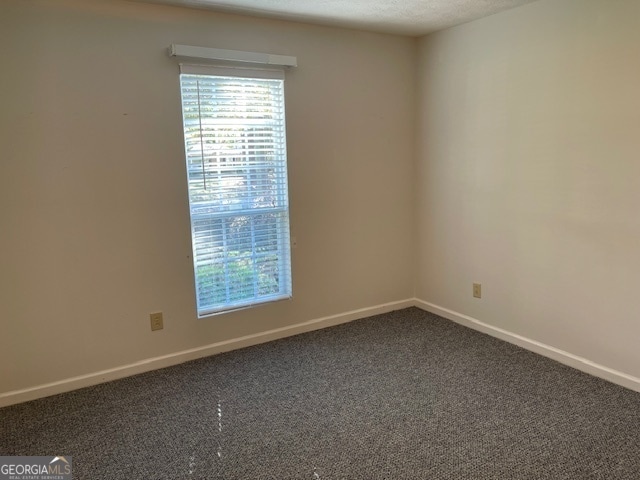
(406, 395)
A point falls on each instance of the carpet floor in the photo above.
(404, 395)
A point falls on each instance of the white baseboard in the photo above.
(68, 384)
(74, 383)
(579, 363)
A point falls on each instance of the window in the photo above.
(235, 148)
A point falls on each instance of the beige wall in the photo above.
(93, 207)
(528, 175)
(525, 178)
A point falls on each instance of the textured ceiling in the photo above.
(405, 17)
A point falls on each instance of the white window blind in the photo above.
(235, 146)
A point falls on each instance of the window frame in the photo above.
(280, 211)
